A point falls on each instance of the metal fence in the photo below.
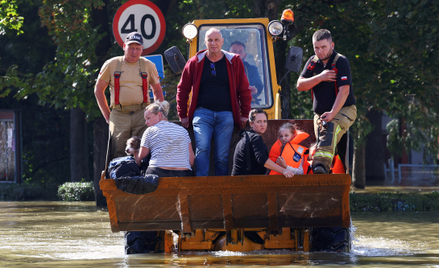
(412, 175)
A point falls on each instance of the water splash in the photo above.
(380, 246)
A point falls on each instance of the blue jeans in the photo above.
(208, 124)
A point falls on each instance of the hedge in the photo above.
(76, 191)
(389, 201)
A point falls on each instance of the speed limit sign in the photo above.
(140, 16)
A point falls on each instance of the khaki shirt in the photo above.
(131, 92)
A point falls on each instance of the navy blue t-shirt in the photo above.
(324, 94)
(214, 91)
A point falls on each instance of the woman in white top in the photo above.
(169, 144)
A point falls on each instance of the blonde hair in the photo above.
(290, 127)
(156, 107)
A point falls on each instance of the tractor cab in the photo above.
(253, 40)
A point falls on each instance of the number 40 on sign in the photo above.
(143, 17)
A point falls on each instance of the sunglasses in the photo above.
(213, 72)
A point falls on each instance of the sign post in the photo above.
(140, 16)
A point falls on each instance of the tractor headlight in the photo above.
(275, 28)
(190, 31)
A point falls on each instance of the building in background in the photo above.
(10, 146)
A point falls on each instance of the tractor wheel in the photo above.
(335, 239)
(144, 242)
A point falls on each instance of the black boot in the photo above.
(319, 169)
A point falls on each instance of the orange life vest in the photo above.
(292, 152)
(307, 166)
(337, 166)
(276, 149)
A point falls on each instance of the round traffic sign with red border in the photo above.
(140, 16)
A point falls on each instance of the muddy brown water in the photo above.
(75, 234)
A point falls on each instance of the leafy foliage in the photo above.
(65, 80)
(76, 191)
(45, 130)
(391, 46)
(9, 18)
(45, 146)
(417, 131)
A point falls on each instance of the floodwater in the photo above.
(75, 234)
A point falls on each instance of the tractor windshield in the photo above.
(250, 42)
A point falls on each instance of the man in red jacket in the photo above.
(221, 98)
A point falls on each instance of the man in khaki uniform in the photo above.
(126, 114)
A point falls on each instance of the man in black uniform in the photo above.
(328, 76)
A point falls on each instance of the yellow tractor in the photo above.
(242, 213)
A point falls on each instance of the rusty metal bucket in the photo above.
(232, 202)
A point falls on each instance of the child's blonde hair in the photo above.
(289, 126)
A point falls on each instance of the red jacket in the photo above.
(240, 92)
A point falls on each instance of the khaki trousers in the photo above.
(329, 137)
(125, 122)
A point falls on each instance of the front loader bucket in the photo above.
(232, 202)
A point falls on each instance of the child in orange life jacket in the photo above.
(336, 168)
(286, 151)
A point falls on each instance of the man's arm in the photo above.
(143, 152)
(101, 99)
(157, 92)
(304, 84)
(183, 90)
(342, 95)
(254, 80)
(243, 92)
(191, 155)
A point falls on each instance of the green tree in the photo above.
(391, 46)
(9, 18)
(65, 79)
(44, 129)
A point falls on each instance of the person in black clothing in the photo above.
(251, 154)
(251, 71)
(328, 76)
